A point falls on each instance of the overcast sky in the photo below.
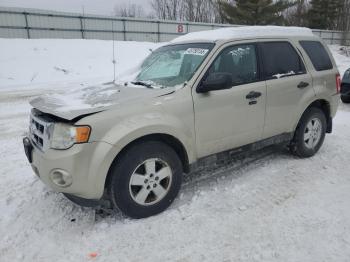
(104, 7)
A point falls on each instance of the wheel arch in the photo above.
(167, 139)
(325, 106)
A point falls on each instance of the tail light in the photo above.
(338, 83)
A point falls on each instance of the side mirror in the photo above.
(215, 81)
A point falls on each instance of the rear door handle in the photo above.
(303, 85)
(253, 95)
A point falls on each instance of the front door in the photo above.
(225, 119)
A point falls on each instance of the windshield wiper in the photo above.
(140, 83)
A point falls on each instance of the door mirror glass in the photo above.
(215, 81)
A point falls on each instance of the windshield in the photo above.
(172, 65)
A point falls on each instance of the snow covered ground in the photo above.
(269, 206)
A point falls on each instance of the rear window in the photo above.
(281, 60)
(318, 55)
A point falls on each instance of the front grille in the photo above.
(38, 140)
(39, 130)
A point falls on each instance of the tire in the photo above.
(345, 99)
(301, 145)
(140, 188)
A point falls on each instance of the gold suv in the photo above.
(202, 94)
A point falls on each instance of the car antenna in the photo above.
(113, 61)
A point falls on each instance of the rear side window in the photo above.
(280, 59)
(318, 55)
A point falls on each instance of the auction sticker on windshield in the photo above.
(196, 51)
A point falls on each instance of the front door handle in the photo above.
(253, 95)
(303, 85)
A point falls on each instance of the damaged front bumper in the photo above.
(79, 172)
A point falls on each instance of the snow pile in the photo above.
(341, 59)
(246, 31)
(26, 64)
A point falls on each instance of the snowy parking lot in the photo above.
(270, 206)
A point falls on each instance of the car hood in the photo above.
(84, 101)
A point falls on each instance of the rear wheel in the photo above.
(310, 133)
(345, 99)
(145, 179)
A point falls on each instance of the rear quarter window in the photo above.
(280, 59)
(317, 54)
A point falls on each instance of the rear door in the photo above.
(288, 85)
(225, 119)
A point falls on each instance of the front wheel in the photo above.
(310, 133)
(145, 179)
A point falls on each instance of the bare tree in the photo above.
(189, 10)
(343, 22)
(166, 9)
(297, 14)
(130, 10)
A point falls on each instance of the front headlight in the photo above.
(63, 136)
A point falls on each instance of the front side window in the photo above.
(173, 65)
(240, 61)
(280, 59)
(318, 55)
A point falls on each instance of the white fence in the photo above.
(32, 23)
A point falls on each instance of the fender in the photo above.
(135, 127)
(132, 128)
